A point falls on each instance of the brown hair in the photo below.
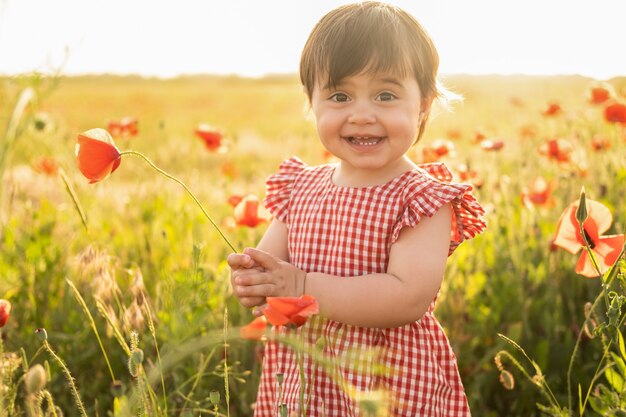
(373, 37)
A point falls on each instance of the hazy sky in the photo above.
(256, 37)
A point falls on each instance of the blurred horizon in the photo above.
(254, 39)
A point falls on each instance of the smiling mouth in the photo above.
(364, 140)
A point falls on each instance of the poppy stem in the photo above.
(182, 184)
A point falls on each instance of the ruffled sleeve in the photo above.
(278, 187)
(428, 191)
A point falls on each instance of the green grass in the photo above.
(506, 281)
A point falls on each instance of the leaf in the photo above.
(622, 349)
(614, 379)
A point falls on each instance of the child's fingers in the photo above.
(258, 311)
(261, 290)
(250, 302)
(240, 260)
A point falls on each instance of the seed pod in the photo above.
(35, 379)
(507, 380)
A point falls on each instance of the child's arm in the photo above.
(399, 296)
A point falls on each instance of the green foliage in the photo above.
(148, 263)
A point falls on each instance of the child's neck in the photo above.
(346, 175)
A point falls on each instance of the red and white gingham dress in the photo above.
(348, 232)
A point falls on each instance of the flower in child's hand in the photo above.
(96, 154)
(293, 311)
(255, 330)
(5, 312)
(606, 249)
(250, 212)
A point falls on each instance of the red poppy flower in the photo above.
(97, 155)
(557, 149)
(454, 134)
(126, 126)
(5, 312)
(479, 137)
(600, 93)
(230, 170)
(600, 142)
(615, 113)
(552, 109)
(468, 175)
(46, 166)
(211, 136)
(492, 144)
(436, 150)
(249, 212)
(293, 311)
(235, 199)
(605, 248)
(539, 193)
(255, 330)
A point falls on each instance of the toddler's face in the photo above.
(369, 121)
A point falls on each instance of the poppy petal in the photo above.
(96, 155)
(255, 330)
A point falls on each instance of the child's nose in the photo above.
(362, 113)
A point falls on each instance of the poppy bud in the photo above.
(581, 211)
(117, 388)
(134, 362)
(42, 334)
(35, 379)
(214, 396)
(507, 380)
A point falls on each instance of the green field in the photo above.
(146, 261)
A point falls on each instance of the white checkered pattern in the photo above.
(348, 232)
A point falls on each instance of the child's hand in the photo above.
(274, 278)
(241, 264)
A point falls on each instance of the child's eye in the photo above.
(339, 97)
(386, 96)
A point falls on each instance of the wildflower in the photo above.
(5, 312)
(468, 175)
(255, 330)
(211, 136)
(454, 134)
(600, 93)
(230, 170)
(606, 249)
(539, 193)
(492, 144)
(557, 149)
(438, 149)
(234, 199)
(479, 136)
(97, 155)
(46, 166)
(552, 109)
(293, 311)
(615, 113)
(126, 126)
(249, 212)
(600, 143)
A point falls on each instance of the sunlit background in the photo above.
(254, 38)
